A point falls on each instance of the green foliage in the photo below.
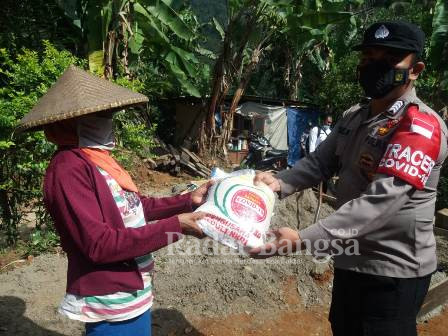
(340, 82)
(26, 23)
(171, 58)
(131, 127)
(438, 53)
(157, 47)
(43, 237)
(442, 189)
(141, 37)
(41, 241)
(339, 88)
(24, 156)
(303, 45)
(170, 64)
(133, 133)
(439, 37)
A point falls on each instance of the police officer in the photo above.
(388, 153)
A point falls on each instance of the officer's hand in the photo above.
(199, 196)
(268, 179)
(188, 223)
(286, 241)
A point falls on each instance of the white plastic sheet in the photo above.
(276, 130)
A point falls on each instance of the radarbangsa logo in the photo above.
(248, 205)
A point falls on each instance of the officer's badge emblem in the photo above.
(386, 128)
(383, 131)
(398, 77)
(382, 32)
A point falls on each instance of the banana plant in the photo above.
(246, 21)
(301, 28)
(93, 18)
(117, 32)
(152, 20)
(306, 33)
(438, 51)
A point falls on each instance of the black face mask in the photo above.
(379, 78)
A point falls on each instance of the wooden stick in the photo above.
(319, 202)
(12, 263)
(436, 297)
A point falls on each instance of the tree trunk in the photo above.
(295, 79)
(287, 71)
(207, 133)
(225, 71)
(227, 132)
(124, 40)
(109, 55)
(9, 218)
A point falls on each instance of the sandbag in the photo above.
(238, 212)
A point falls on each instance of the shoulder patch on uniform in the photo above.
(395, 107)
(413, 149)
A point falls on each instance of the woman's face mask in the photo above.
(378, 78)
(96, 132)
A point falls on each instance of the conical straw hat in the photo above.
(77, 93)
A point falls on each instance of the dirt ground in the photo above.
(209, 294)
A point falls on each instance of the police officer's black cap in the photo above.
(394, 34)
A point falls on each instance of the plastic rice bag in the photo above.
(238, 212)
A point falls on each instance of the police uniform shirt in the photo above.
(388, 167)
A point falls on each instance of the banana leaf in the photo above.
(72, 9)
(148, 24)
(219, 28)
(438, 51)
(135, 42)
(161, 11)
(172, 62)
(94, 32)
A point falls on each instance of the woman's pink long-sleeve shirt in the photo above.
(100, 249)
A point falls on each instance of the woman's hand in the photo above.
(268, 179)
(286, 241)
(199, 195)
(188, 223)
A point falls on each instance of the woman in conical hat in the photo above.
(98, 212)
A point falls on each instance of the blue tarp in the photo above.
(298, 119)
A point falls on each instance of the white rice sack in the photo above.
(238, 212)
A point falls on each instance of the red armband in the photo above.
(413, 149)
